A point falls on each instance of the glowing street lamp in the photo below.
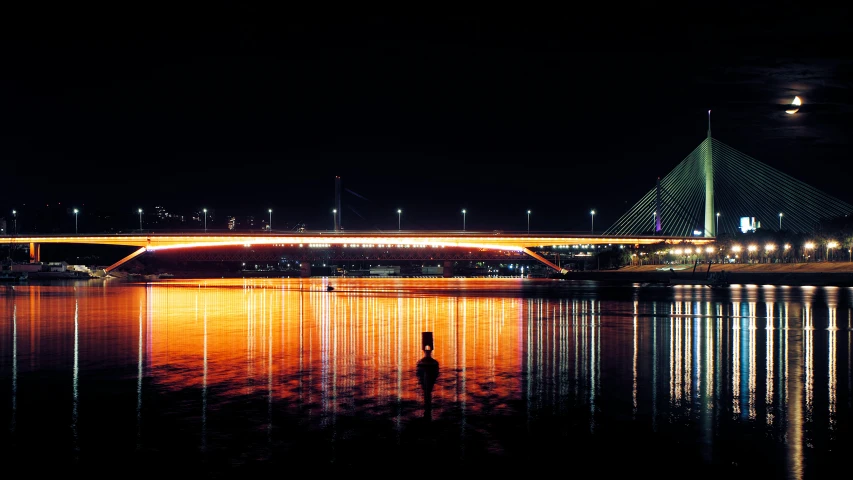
(829, 246)
(592, 221)
(75, 220)
(736, 249)
(270, 210)
(15, 216)
(752, 249)
(780, 220)
(335, 218)
(808, 246)
(463, 219)
(717, 228)
(205, 219)
(140, 218)
(399, 216)
(528, 222)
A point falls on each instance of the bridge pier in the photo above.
(35, 252)
(447, 270)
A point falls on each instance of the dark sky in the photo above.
(241, 109)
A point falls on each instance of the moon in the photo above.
(796, 103)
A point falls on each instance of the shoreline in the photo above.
(838, 274)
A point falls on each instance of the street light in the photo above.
(205, 219)
(463, 219)
(528, 222)
(736, 249)
(75, 220)
(335, 219)
(15, 216)
(399, 215)
(808, 246)
(780, 221)
(140, 219)
(270, 210)
(830, 246)
(592, 221)
(717, 228)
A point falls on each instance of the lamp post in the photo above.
(399, 216)
(335, 219)
(654, 222)
(75, 220)
(463, 219)
(592, 221)
(205, 219)
(829, 247)
(140, 219)
(15, 217)
(528, 222)
(717, 228)
(780, 221)
(270, 210)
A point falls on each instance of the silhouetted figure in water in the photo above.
(427, 372)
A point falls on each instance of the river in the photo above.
(220, 377)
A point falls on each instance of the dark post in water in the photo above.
(427, 372)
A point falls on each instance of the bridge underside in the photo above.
(335, 255)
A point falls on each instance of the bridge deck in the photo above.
(474, 240)
(155, 241)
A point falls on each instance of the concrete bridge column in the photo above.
(447, 270)
(35, 252)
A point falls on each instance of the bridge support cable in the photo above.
(743, 187)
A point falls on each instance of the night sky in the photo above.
(242, 109)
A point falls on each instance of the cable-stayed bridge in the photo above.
(714, 186)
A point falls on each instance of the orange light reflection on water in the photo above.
(289, 338)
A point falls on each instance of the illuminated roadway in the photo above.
(512, 241)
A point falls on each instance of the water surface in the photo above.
(231, 376)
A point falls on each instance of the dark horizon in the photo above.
(231, 108)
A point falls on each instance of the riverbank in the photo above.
(815, 273)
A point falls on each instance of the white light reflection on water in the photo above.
(832, 355)
(769, 351)
(75, 377)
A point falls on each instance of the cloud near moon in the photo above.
(796, 103)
